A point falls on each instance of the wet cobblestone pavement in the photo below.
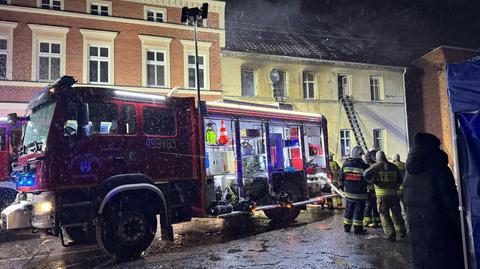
(315, 240)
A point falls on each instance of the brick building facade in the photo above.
(428, 109)
(135, 44)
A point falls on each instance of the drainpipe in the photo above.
(405, 108)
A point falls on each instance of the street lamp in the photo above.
(192, 16)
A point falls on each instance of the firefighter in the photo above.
(334, 168)
(372, 217)
(354, 185)
(387, 179)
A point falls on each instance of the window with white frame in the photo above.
(3, 57)
(51, 4)
(48, 52)
(248, 82)
(375, 88)
(155, 68)
(49, 58)
(192, 76)
(98, 64)
(308, 85)
(345, 143)
(102, 8)
(281, 90)
(155, 14)
(99, 56)
(379, 139)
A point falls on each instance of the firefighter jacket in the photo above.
(352, 180)
(401, 168)
(386, 178)
(334, 167)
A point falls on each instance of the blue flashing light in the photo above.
(26, 181)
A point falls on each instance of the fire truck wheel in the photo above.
(282, 214)
(125, 232)
(81, 235)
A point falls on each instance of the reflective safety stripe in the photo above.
(362, 196)
(388, 176)
(353, 170)
(385, 192)
(347, 221)
(367, 219)
(358, 222)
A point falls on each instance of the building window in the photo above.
(343, 86)
(379, 139)
(376, 88)
(48, 52)
(189, 63)
(155, 60)
(155, 68)
(308, 85)
(50, 4)
(192, 76)
(5, 2)
(3, 57)
(99, 56)
(345, 142)
(281, 90)
(248, 82)
(102, 8)
(155, 14)
(98, 64)
(49, 55)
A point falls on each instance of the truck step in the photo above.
(79, 204)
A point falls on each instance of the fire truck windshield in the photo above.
(37, 127)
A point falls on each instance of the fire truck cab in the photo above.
(100, 164)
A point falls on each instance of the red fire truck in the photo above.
(10, 137)
(100, 164)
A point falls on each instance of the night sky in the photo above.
(406, 29)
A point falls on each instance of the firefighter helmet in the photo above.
(396, 157)
(357, 152)
(380, 156)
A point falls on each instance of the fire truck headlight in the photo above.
(44, 207)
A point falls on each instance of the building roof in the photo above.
(310, 36)
(334, 44)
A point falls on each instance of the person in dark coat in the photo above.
(432, 206)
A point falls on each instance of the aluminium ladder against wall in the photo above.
(352, 118)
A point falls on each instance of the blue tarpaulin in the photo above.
(463, 82)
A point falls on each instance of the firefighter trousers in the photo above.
(371, 210)
(354, 211)
(391, 214)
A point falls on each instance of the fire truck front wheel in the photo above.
(124, 231)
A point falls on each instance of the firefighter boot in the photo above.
(347, 227)
(392, 237)
(359, 230)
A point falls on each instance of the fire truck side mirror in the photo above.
(12, 119)
(83, 119)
